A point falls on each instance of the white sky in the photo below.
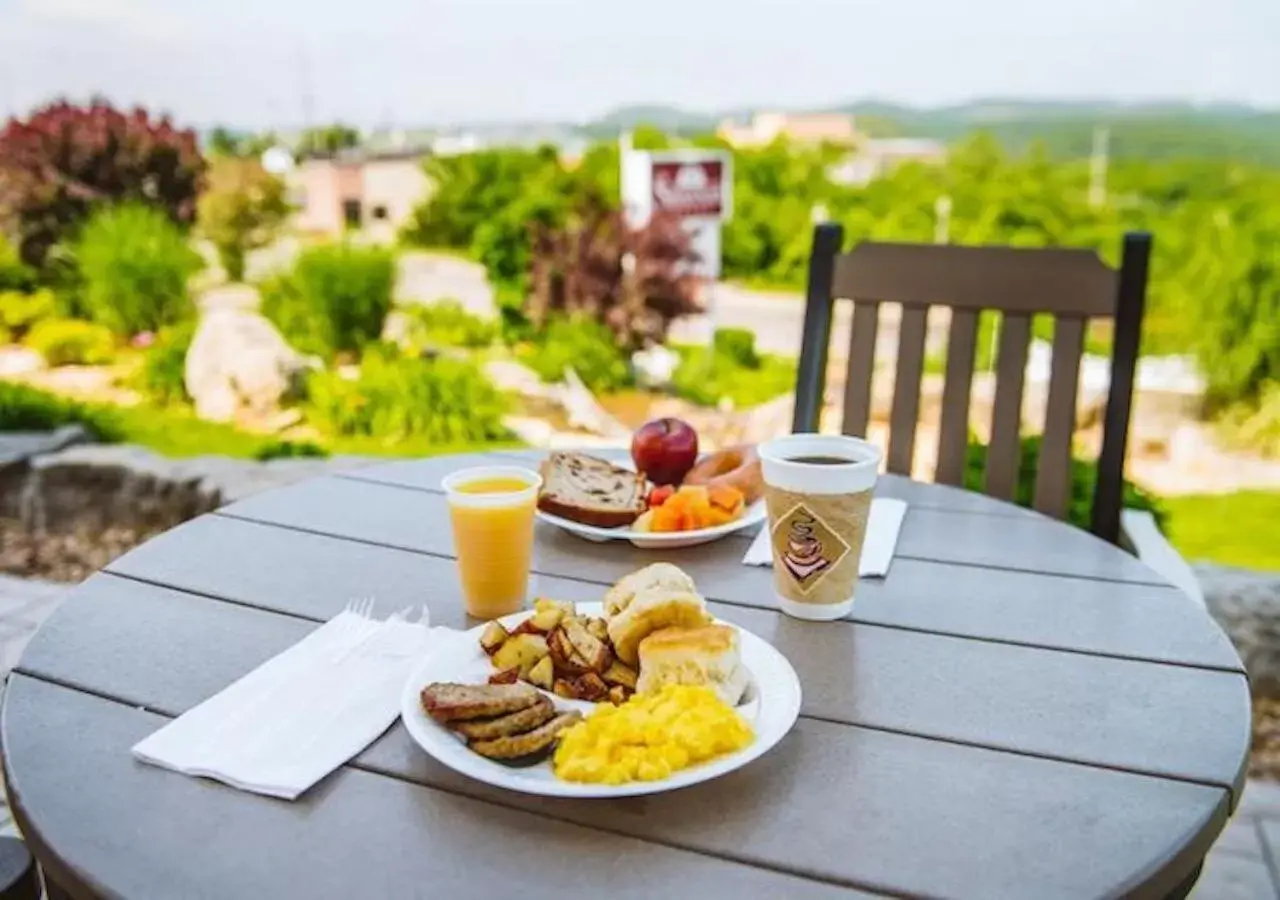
(423, 62)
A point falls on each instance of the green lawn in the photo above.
(1240, 529)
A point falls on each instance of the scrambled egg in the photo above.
(650, 736)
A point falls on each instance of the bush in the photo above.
(1084, 478)
(64, 160)
(334, 300)
(586, 345)
(580, 271)
(14, 274)
(290, 450)
(20, 311)
(71, 342)
(164, 366)
(1254, 426)
(447, 323)
(134, 265)
(737, 345)
(708, 375)
(442, 400)
(242, 209)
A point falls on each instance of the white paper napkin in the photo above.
(298, 716)
(883, 525)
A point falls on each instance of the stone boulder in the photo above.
(239, 365)
(1247, 606)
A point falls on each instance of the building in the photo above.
(806, 128)
(374, 192)
(877, 156)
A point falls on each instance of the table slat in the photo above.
(315, 576)
(146, 833)
(167, 651)
(418, 520)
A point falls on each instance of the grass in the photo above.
(1230, 529)
(176, 432)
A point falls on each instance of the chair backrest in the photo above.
(1071, 285)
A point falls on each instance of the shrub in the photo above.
(290, 450)
(586, 345)
(242, 209)
(134, 265)
(334, 300)
(442, 400)
(737, 345)
(15, 275)
(71, 342)
(1084, 478)
(709, 375)
(1254, 426)
(164, 366)
(447, 323)
(580, 271)
(64, 160)
(19, 311)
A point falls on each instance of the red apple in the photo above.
(665, 450)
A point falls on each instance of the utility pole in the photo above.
(942, 220)
(307, 93)
(1098, 166)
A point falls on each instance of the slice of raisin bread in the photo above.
(592, 491)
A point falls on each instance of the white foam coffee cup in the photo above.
(818, 515)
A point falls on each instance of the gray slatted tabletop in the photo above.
(1017, 710)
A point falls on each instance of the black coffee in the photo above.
(821, 460)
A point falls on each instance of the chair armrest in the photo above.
(1140, 534)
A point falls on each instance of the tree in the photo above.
(224, 142)
(327, 140)
(64, 160)
(241, 210)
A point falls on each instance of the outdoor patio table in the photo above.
(1018, 710)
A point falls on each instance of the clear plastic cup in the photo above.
(491, 509)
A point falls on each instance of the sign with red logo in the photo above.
(694, 185)
(695, 188)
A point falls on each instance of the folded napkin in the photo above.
(300, 715)
(883, 525)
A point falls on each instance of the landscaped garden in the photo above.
(115, 228)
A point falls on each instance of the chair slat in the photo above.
(906, 389)
(953, 431)
(1053, 478)
(1062, 281)
(1006, 415)
(862, 364)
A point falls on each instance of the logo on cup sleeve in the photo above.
(807, 547)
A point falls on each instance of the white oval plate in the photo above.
(771, 706)
(664, 540)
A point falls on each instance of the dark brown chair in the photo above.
(1071, 285)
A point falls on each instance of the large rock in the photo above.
(1247, 606)
(239, 364)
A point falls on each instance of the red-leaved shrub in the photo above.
(581, 270)
(64, 159)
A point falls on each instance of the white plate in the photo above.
(664, 540)
(771, 706)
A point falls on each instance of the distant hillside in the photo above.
(1147, 131)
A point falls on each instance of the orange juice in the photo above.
(492, 513)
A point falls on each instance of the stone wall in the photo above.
(66, 512)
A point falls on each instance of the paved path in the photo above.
(24, 605)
